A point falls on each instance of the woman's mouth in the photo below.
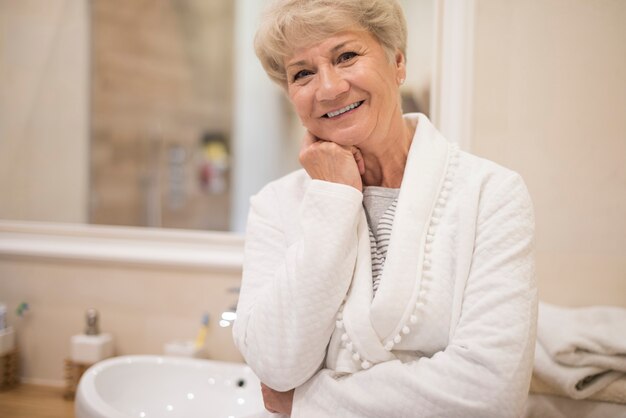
(343, 110)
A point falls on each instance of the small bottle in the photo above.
(3, 316)
(7, 335)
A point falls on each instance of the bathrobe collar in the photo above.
(369, 327)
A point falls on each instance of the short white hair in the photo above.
(289, 24)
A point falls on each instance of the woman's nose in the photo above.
(331, 84)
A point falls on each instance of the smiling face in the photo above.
(345, 88)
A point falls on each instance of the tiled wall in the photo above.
(161, 77)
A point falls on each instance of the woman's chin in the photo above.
(340, 138)
(345, 142)
(353, 135)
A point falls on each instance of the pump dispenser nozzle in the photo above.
(92, 322)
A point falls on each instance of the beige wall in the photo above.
(549, 98)
(142, 307)
(43, 110)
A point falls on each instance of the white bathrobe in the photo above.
(451, 329)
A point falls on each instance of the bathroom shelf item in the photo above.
(8, 370)
(73, 372)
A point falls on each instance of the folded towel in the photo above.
(551, 406)
(574, 382)
(614, 392)
(592, 336)
(580, 351)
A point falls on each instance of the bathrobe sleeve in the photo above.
(291, 291)
(485, 369)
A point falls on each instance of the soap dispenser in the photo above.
(92, 346)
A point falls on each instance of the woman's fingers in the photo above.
(277, 402)
(358, 157)
(329, 161)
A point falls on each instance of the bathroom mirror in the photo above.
(139, 113)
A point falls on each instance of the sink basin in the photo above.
(167, 387)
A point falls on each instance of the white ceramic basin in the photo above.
(167, 387)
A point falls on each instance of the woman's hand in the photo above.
(325, 160)
(277, 402)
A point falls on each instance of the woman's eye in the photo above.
(301, 74)
(346, 56)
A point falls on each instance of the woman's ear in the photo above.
(400, 63)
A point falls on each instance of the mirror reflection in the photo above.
(161, 113)
(150, 113)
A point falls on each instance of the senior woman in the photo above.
(393, 275)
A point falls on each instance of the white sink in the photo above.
(167, 387)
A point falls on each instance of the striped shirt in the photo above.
(380, 208)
